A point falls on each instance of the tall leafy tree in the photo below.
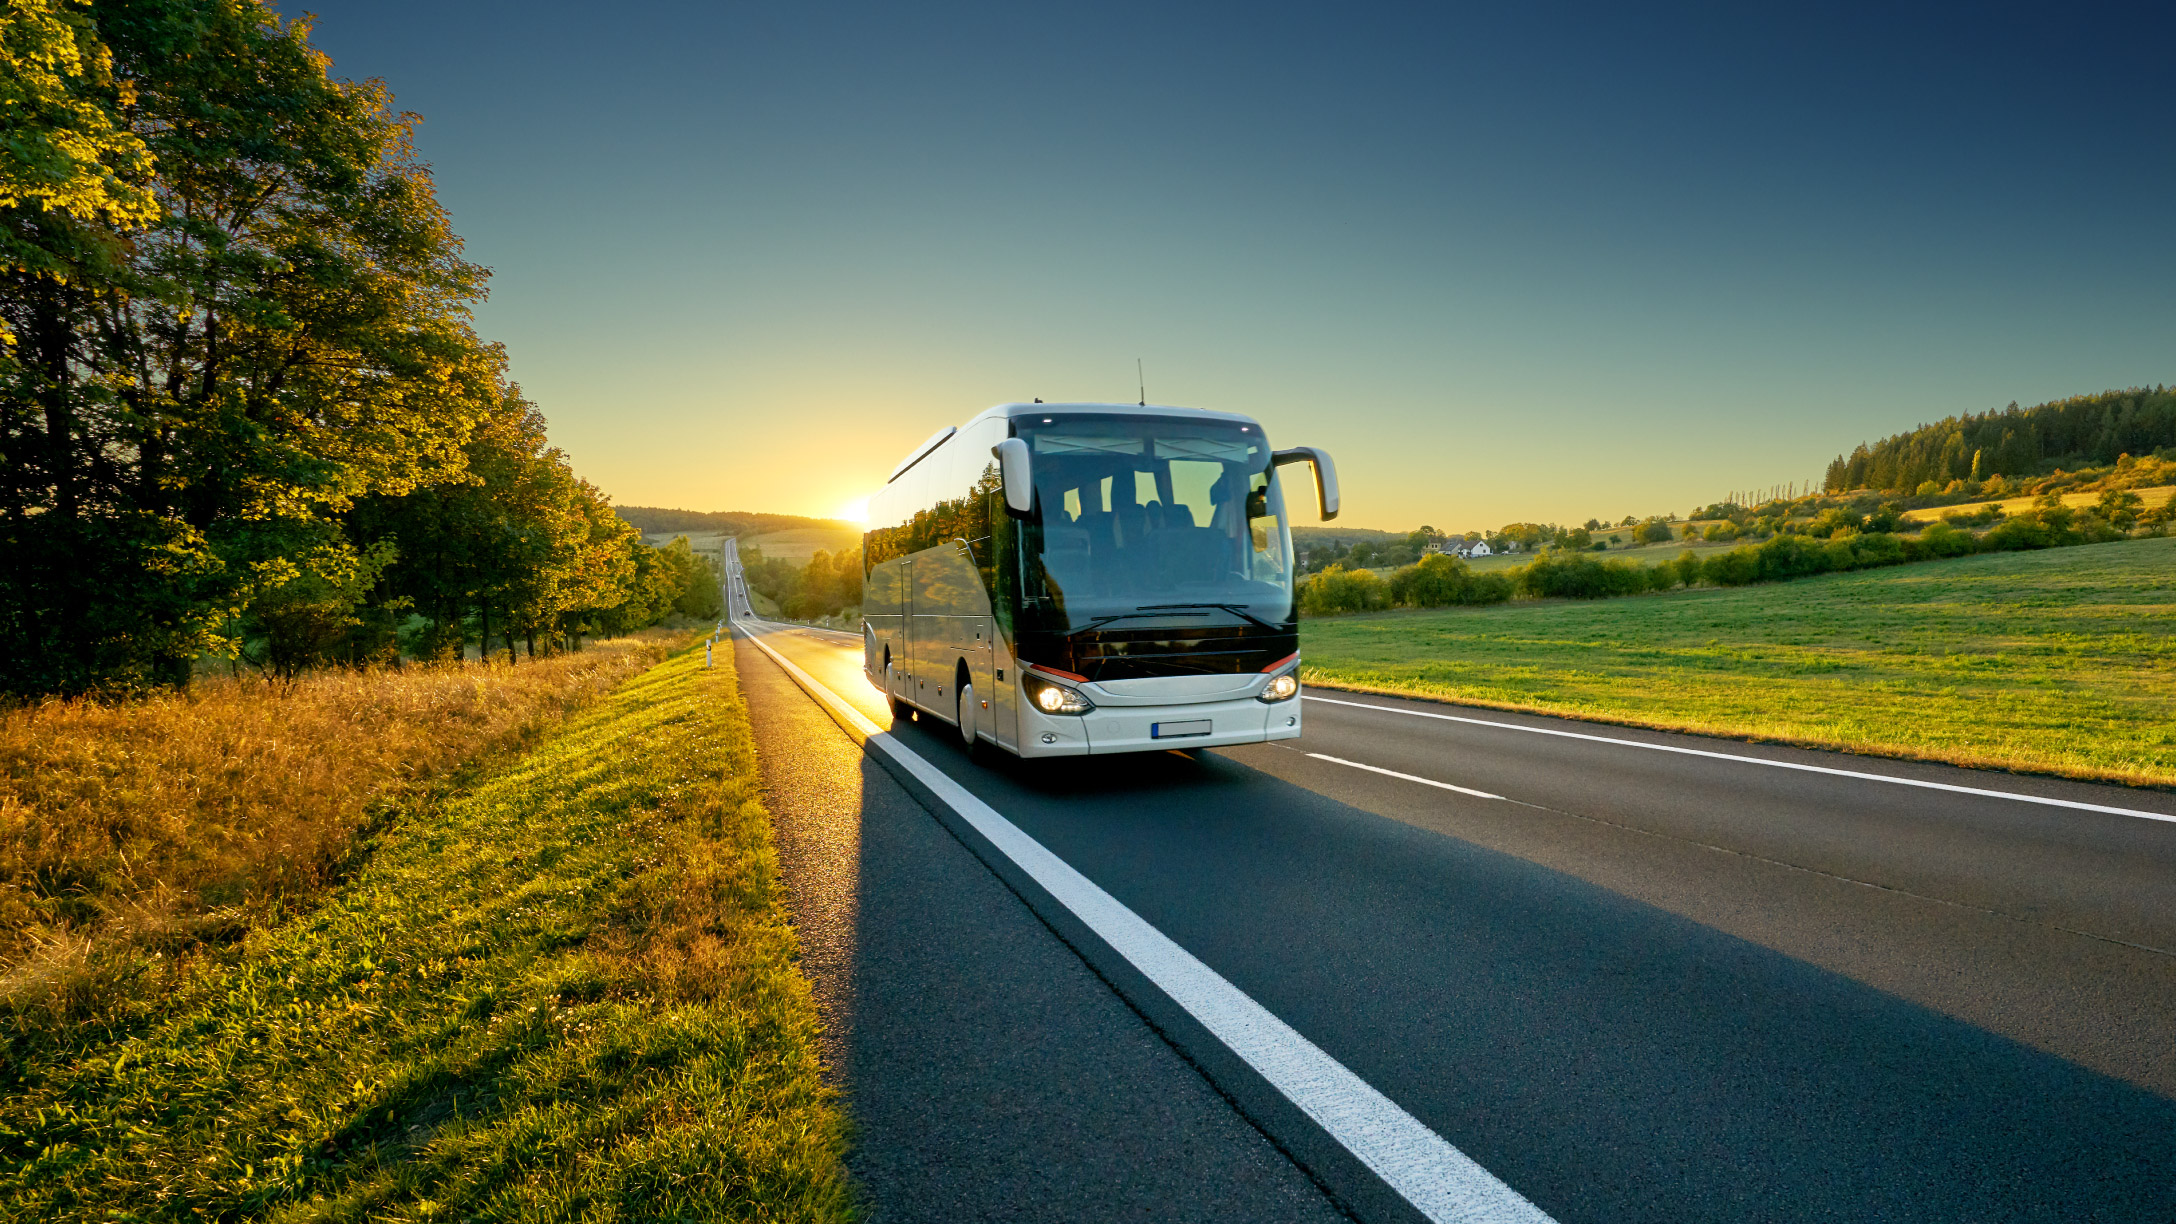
(221, 344)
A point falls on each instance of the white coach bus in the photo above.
(1067, 579)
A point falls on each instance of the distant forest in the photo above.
(656, 520)
(2082, 431)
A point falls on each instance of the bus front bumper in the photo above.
(1157, 728)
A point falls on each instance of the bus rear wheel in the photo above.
(901, 711)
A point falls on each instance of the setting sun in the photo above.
(856, 511)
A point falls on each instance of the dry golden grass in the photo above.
(2148, 499)
(173, 819)
(562, 987)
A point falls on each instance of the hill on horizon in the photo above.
(658, 520)
(2081, 431)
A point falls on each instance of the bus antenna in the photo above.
(1143, 379)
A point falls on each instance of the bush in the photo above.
(1838, 554)
(1556, 575)
(1653, 531)
(1737, 567)
(2097, 530)
(1943, 540)
(1785, 557)
(1790, 556)
(2044, 528)
(1439, 581)
(1721, 532)
(1876, 548)
(1981, 517)
(1832, 520)
(1338, 589)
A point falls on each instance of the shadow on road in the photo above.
(1609, 1059)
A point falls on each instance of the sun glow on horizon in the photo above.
(856, 511)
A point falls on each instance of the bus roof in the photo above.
(1163, 410)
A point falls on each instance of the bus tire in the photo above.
(970, 720)
(901, 711)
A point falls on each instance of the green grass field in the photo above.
(796, 545)
(2061, 661)
(567, 993)
(801, 543)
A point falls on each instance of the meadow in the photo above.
(559, 986)
(2149, 498)
(800, 543)
(2060, 661)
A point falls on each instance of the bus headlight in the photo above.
(1282, 687)
(1053, 698)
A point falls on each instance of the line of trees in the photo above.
(1390, 550)
(829, 585)
(243, 412)
(2082, 431)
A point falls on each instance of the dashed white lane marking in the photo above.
(1443, 1183)
(1746, 760)
(1405, 777)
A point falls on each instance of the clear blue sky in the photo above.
(1531, 262)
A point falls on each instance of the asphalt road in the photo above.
(1641, 985)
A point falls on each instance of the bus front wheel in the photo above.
(970, 720)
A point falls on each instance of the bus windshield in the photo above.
(1142, 513)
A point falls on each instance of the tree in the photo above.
(71, 176)
(203, 387)
(2121, 508)
(696, 584)
(2082, 431)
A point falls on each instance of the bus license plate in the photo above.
(1179, 730)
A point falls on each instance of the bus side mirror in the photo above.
(1325, 475)
(1014, 468)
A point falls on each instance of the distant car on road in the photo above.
(1068, 579)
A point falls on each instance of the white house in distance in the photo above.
(1460, 547)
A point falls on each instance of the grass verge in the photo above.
(2062, 661)
(135, 832)
(569, 992)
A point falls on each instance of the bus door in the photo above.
(903, 660)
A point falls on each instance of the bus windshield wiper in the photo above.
(1160, 609)
(1235, 609)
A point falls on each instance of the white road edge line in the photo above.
(1443, 1183)
(1392, 773)
(1731, 756)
